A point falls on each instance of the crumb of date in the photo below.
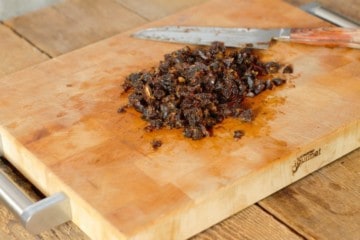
(246, 115)
(156, 143)
(288, 69)
(238, 134)
(122, 109)
(278, 81)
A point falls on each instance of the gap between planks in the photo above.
(26, 40)
(288, 226)
(325, 204)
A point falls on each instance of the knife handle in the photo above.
(326, 36)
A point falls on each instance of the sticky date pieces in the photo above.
(238, 134)
(278, 81)
(155, 144)
(195, 89)
(288, 69)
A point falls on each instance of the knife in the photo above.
(252, 37)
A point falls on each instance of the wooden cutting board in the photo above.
(59, 126)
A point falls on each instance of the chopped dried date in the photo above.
(149, 128)
(122, 109)
(156, 144)
(181, 79)
(195, 89)
(268, 84)
(278, 81)
(288, 69)
(202, 55)
(272, 67)
(238, 134)
(250, 94)
(259, 88)
(246, 115)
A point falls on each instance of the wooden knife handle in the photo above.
(327, 36)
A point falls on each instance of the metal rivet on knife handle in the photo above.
(35, 217)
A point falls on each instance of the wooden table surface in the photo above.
(324, 205)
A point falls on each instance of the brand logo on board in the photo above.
(304, 158)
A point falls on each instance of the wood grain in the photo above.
(349, 9)
(83, 147)
(324, 205)
(251, 223)
(72, 24)
(16, 53)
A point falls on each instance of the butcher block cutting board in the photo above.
(60, 127)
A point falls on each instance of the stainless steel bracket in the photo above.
(35, 217)
(317, 10)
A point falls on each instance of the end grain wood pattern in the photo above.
(349, 9)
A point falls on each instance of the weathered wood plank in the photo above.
(73, 24)
(16, 53)
(348, 8)
(13, 8)
(156, 9)
(324, 205)
(251, 223)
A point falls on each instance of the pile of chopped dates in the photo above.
(195, 89)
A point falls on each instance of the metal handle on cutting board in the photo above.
(35, 217)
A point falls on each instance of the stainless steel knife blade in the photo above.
(232, 37)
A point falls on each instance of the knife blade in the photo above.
(252, 37)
